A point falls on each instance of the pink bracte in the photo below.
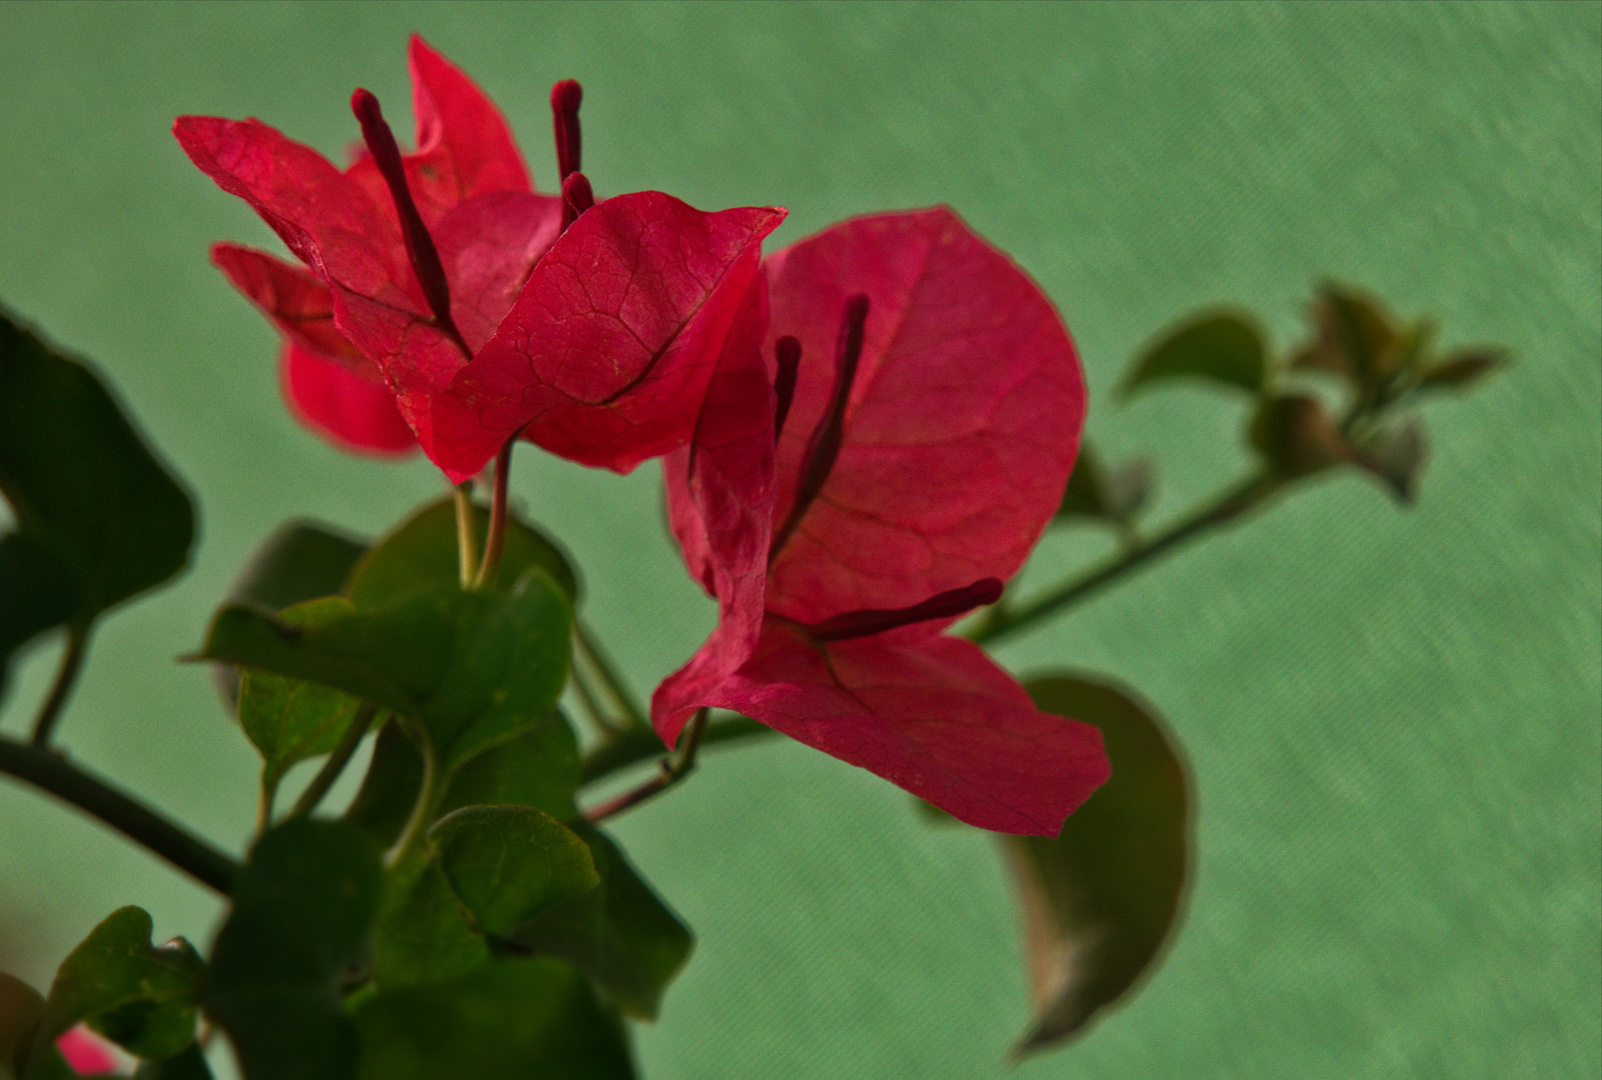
(596, 343)
(955, 441)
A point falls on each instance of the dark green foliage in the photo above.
(1101, 898)
(423, 930)
(98, 518)
(619, 933)
(189, 1065)
(508, 1020)
(140, 996)
(423, 550)
(506, 864)
(1222, 347)
(301, 561)
(302, 914)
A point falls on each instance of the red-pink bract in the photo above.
(960, 432)
(349, 411)
(87, 1054)
(607, 355)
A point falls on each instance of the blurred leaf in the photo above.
(619, 933)
(423, 933)
(1355, 337)
(1461, 370)
(301, 561)
(506, 864)
(21, 1006)
(389, 790)
(422, 551)
(1297, 437)
(1396, 456)
(1101, 899)
(509, 1020)
(1113, 496)
(303, 909)
(475, 668)
(1224, 347)
(138, 995)
(189, 1065)
(289, 720)
(83, 487)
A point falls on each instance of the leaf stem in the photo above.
(495, 542)
(66, 677)
(50, 771)
(423, 808)
(466, 542)
(673, 769)
(343, 751)
(593, 712)
(1233, 503)
(590, 651)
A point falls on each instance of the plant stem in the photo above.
(423, 809)
(61, 690)
(592, 653)
(495, 542)
(1236, 501)
(337, 760)
(673, 769)
(592, 707)
(642, 744)
(466, 544)
(51, 772)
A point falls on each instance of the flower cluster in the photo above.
(864, 433)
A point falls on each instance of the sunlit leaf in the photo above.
(84, 488)
(303, 909)
(1222, 347)
(422, 550)
(136, 994)
(1100, 900)
(509, 1020)
(619, 933)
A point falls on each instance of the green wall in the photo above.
(1393, 716)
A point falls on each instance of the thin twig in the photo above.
(642, 744)
(673, 769)
(337, 760)
(594, 655)
(66, 677)
(52, 772)
(593, 711)
(466, 543)
(495, 542)
(1236, 501)
(423, 809)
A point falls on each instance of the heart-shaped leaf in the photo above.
(1222, 347)
(303, 909)
(422, 550)
(508, 1020)
(423, 933)
(84, 488)
(1100, 899)
(619, 933)
(509, 863)
(138, 995)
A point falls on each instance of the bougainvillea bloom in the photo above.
(487, 310)
(895, 470)
(87, 1054)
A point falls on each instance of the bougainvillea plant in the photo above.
(862, 436)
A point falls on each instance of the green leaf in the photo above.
(1223, 347)
(189, 1065)
(21, 1006)
(509, 1020)
(85, 488)
(301, 561)
(422, 550)
(423, 931)
(509, 863)
(1461, 370)
(138, 995)
(303, 909)
(1101, 899)
(290, 720)
(1355, 337)
(389, 790)
(619, 933)
(1396, 456)
(1112, 496)
(1296, 436)
(476, 668)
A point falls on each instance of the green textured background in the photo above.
(1393, 716)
